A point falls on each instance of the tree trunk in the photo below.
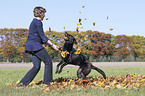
(7, 59)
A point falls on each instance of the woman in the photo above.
(37, 52)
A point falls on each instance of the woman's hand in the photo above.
(43, 45)
(55, 47)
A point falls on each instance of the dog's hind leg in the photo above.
(86, 69)
(99, 70)
(61, 67)
(80, 74)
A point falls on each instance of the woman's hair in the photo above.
(38, 11)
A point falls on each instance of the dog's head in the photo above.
(69, 38)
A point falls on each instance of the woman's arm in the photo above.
(53, 45)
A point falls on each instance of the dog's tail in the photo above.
(99, 70)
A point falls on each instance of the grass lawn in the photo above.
(13, 75)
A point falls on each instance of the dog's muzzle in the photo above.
(65, 38)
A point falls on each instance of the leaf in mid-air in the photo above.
(111, 29)
(94, 24)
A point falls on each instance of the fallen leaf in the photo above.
(32, 83)
(129, 87)
(17, 82)
(46, 90)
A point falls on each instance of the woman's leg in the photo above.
(45, 57)
(32, 72)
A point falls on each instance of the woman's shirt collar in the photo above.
(38, 18)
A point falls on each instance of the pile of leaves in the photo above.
(129, 81)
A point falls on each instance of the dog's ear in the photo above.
(75, 41)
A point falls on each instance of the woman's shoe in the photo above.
(20, 84)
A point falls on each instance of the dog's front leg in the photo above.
(61, 67)
(57, 67)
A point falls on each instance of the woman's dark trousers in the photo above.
(36, 58)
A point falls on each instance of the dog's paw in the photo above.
(59, 72)
(56, 72)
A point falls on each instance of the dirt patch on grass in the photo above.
(98, 64)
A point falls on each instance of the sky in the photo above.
(125, 17)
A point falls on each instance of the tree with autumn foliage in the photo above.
(11, 43)
(8, 48)
(138, 47)
(100, 44)
(20, 39)
(123, 45)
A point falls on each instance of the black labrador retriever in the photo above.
(69, 57)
